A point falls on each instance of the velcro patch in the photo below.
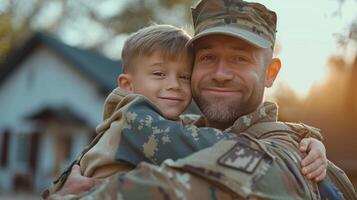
(242, 157)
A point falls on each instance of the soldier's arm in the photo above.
(202, 175)
(234, 169)
(285, 173)
(309, 139)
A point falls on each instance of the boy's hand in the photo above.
(315, 163)
(75, 184)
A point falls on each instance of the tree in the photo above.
(94, 24)
(5, 36)
(351, 98)
(344, 41)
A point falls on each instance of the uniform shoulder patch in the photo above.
(242, 157)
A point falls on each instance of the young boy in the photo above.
(157, 65)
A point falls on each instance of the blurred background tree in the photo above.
(331, 105)
(6, 39)
(337, 94)
(97, 24)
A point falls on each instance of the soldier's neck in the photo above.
(219, 125)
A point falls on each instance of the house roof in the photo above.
(102, 70)
(63, 113)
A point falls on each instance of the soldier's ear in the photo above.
(272, 72)
(125, 82)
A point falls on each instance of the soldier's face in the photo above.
(165, 82)
(228, 79)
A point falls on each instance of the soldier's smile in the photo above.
(218, 91)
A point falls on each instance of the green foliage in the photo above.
(133, 17)
(5, 36)
(91, 24)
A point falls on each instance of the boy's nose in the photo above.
(172, 83)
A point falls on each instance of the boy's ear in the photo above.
(125, 82)
(272, 72)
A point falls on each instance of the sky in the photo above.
(307, 33)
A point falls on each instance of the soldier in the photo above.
(158, 65)
(233, 44)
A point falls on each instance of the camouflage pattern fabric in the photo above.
(247, 20)
(233, 169)
(106, 153)
(239, 167)
(163, 183)
(151, 138)
(160, 139)
(238, 163)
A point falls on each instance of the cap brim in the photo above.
(235, 32)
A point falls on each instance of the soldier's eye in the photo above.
(207, 58)
(240, 59)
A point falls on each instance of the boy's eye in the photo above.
(158, 73)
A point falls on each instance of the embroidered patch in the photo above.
(242, 157)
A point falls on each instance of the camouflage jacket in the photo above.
(260, 161)
(147, 136)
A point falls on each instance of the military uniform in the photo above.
(261, 161)
(135, 131)
(147, 136)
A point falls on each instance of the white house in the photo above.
(51, 99)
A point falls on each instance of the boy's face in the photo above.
(165, 82)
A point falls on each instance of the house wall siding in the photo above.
(46, 79)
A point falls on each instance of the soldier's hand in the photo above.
(315, 163)
(75, 184)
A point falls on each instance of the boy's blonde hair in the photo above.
(168, 40)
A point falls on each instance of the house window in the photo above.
(4, 148)
(22, 153)
(33, 151)
(68, 148)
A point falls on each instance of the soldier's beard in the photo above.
(224, 112)
(219, 110)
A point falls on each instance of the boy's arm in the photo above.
(152, 138)
(314, 165)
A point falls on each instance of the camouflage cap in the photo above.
(249, 21)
